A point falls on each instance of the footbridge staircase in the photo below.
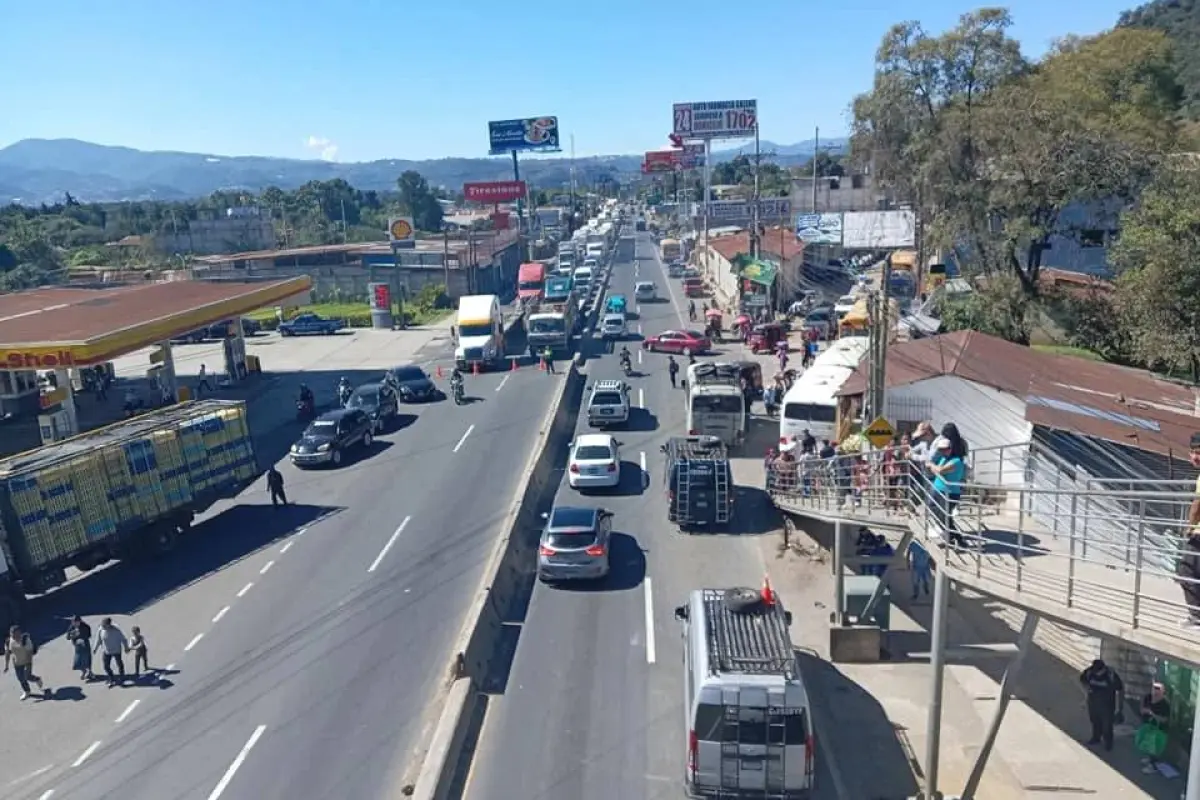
(1097, 556)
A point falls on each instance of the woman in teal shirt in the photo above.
(949, 467)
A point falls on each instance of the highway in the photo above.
(593, 706)
(307, 667)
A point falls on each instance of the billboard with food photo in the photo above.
(533, 134)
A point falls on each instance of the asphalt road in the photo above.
(310, 662)
(592, 709)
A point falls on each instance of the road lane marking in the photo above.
(640, 329)
(169, 668)
(195, 641)
(93, 747)
(503, 381)
(245, 589)
(302, 531)
(30, 776)
(639, 356)
(237, 763)
(642, 398)
(266, 567)
(642, 462)
(220, 614)
(285, 548)
(650, 654)
(388, 546)
(128, 710)
(458, 446)
(46, 794)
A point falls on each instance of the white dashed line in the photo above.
(245, 589)
(169, 668)
(642, 398)
(128, 710)
(30, 776)
(395, 535)
(650, 654)
(46, 794)
(461, 441)
(237, 763)
(220, 614)
(285, 548)
(195, 641)
(639, 356)
(642, 461)
(302, 531)
(93, 747)
(266, 567)
(503, 381)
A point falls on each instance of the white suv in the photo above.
(608, 404)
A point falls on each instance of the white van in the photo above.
(583, 279)
(811, 403)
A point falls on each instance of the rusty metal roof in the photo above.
(77, 314)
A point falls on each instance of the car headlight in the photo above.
(323, 448)
(295, 448)
(406, 390)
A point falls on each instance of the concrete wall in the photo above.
(220, 236)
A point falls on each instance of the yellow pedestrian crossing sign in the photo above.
(880, 432)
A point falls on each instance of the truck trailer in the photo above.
(125, 491)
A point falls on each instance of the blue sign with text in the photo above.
(537, 134)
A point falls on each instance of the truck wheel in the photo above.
(160, 539)
(367, 440)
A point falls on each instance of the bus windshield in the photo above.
(810, 412)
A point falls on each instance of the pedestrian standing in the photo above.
(919, 568)
(275, 487)
(548, 358)
(1105, 694)
(202, 381)
(113, 642)
(1155, 712)
(673, 372)
(79, 634)
(137, 646)
(19, 651)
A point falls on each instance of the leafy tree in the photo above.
(773, 180)
(419, 202)
(828, 165)
(997, 307)
(1158, 257)
(1093, 322)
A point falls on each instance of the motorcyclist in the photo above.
(306, 398)
(344, 389)
(626, 358)
(456, 377)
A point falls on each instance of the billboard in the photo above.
(494, 191)
(723, 119)
(768, 209)
(532, 134)
(878, 230)
(819, 228)
(689, 156)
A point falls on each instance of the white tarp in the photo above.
(878, 230)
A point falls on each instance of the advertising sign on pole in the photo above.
(494, 191)
(723, 119)
(768, 208)
(819, 228)
(533, 134)
(402, 233)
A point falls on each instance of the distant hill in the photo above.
(36, 171)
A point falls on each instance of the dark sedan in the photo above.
(379, 402)
(411, 383)
(329, 436)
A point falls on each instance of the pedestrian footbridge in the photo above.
(1096, 555)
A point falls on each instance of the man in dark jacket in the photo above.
(275, 487)
(1105, 694)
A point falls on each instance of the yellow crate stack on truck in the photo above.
(123, 491)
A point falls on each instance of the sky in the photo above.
(373, 79)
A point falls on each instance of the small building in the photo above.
(719, 260)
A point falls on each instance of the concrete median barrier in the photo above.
(480, 650)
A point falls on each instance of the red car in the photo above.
(683, 342)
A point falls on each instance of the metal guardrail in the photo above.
(1111, 552)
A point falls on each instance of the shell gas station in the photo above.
(49, 337)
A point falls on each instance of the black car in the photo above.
(411, 384)
(329, 436)
(379, 402)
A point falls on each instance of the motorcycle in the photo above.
(344, 393)
(459, 395)
(627, 365)
(305, 410)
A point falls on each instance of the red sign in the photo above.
(676, 140)
(38, 359)
(500, 220)
(494, 191)
(382, 297)
(661, 161)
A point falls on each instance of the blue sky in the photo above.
(371, 79)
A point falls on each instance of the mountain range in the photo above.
(34, 171)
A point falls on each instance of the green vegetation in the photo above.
(998, 155)
(38, 246)
(429, 306)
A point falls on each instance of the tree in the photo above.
(419, 202)
(828, 165)
(997, 307)
(1158, 258)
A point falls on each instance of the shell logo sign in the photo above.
(401, 230)
(37, 358)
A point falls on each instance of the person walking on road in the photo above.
(114, 643)
(79, 634)
(673, 371)
(19, 651)
(548, 359)
(1105, 696)
(275, 487)
(137, 646)
(202, 381)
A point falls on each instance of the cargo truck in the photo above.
(531, 279)
(552, 325)
(480, 332)
(121, 492)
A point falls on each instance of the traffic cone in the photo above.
(541, 364)
(439, 371)
(475, 368)
(768, 594)
(514, 364)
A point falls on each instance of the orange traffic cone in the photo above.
(768, 594)
(514, 364)
(475, 368)
(439, 370)
(541, 364)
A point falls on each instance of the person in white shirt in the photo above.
(918, 456)
(112, 641)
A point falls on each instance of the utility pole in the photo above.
(571, 219)
(816, 149)
(879, 319)
(754, 201)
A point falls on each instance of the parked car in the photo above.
(310, 325)
(411, 383)
(329, 436)
(379, 402)
(574, 544)
(682, 342)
